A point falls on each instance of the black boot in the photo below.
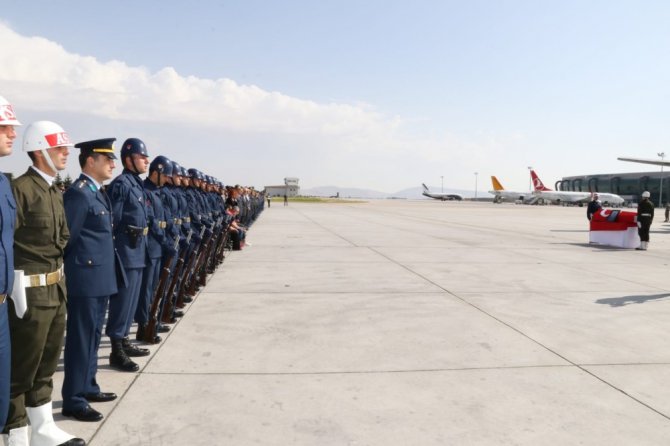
(119, 360)
(141, 329)
(139, 336)
(132, 350)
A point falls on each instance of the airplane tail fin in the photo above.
(425, 188)
(538, 185)
(496, 184)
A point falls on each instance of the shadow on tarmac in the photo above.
(627, 300)
(595, 246)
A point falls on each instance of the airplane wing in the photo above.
(645, 161)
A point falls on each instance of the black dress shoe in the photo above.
(74, 442)
(188, 299)
(100, 397)
(119, 360)
(135, 352)
(162, 328)
(178, 313)
(86, 414)
(132, 350)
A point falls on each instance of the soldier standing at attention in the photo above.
(91, 278)
(159, 241)
(129, 213)
(645, 215)
(7, 216)
(39, 241)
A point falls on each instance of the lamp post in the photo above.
(476, 173)
(660, 193)
(530, 179)
(442, 178)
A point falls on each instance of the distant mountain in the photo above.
(411, 193)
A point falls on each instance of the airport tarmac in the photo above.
(398, 322)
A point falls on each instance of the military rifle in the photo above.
(151, 328)
(221, 249)
(184, 272)
(167, 298)
(204, 247)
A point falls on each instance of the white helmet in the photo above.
(7, 116)
(646, 194)
(43, 135)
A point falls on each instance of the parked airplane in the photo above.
(646, 161)
(560, 196)
(502, 194)
(440, 196)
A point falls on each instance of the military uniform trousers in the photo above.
(150, 280)
(172, 267)
(123, 304)
(5, 363)
(185, 275)
(37, 340)
(85, 320)
(643, 230)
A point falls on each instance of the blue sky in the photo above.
(373, 94)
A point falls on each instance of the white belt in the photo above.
(45, 279)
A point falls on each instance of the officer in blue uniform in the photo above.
(159, 241)
(129, 211)
(7, 218)
(91, 277)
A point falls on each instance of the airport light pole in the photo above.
(530, 180)
(476, 173)
(660, 193)
(442, 177)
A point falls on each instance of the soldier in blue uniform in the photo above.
(176, 223)
(159, 241)
(7, 217)
(180, 180)
(91, 270)
(129, 212)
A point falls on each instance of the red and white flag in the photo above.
(614, 227)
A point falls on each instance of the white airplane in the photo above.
(560, 196)
(440, 196)
(646, 161)
(501, 194)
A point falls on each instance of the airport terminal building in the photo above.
(290, 188)
(628, 185)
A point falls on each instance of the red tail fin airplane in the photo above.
(559, 196)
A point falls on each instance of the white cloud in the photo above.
(333, 143)
(43, 73)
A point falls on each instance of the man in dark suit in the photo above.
(91, 271)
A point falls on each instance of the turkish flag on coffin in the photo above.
(614, 227)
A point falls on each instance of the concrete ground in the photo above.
(410, 323)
